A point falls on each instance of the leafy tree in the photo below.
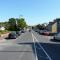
(12, 24)
(21, 23)
(38, 26)
(12, 21)
(41, 26)
(16, 24)
(6, 25)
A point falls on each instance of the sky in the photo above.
(34, 11)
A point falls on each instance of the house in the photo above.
(49, 26)
(54, 26)
(2, 28)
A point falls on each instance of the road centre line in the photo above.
(35, 48)
(42, 47)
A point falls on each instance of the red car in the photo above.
(46, 33)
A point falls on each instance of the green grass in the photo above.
(3, 31)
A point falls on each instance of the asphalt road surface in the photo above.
(31, 46)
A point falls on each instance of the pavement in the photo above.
(30, 46)
(2, 37)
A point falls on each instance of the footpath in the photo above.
(4, 41)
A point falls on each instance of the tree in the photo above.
(41, 26)
(6, 25)
(16, 24)
(21, 23)
(38, 26)
(12, 24)
(12, 21)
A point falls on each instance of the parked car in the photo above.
(46, 33)
(29, 30)
(37, 30)
(57, 37)
(22, 31)
(52, 34)
(12, 35)
(18, 33)
(42, 32)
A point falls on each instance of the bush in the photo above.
(3, 31)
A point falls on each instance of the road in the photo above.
(30, 46)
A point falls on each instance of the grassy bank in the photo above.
(3, 32)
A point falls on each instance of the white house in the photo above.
(2, 28)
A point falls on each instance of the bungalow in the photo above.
(2, 28)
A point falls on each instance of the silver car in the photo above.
(12, 35)
(57, 36)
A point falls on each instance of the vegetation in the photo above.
(14, 24)
(21, 23)
(3, 32)
(17, 24)
(40, 26)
